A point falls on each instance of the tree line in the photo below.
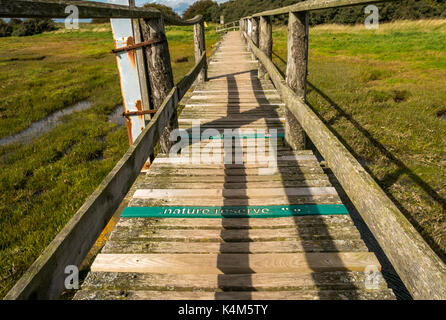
(235, 9)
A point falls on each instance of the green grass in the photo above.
(382, 93)
(44, 183)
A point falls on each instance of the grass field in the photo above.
(382, 93)
(44, 183)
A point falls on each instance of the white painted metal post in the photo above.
(123, 36)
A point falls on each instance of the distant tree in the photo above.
(207, 8)
(5, 29)
(33, 26)
(100, 20)
(164, 9)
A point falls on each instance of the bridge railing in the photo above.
(230, 26)
(421, 270)
(150, 100)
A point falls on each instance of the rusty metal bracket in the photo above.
(139, 113)
(139, 45)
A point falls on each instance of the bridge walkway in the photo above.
(182, 236)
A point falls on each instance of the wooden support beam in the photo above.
(296, 73)
(265, 42)
(160, 73)
(200, 48)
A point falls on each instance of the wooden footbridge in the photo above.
(233, 206)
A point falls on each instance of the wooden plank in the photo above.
(290, 246)
(233, 193)
(234, 282)
(240, 223)
(236, 295)
(234, 263)
(235, 235)
(234, 185)
(292, 172)
(237, 202)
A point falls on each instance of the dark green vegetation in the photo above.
(381, 92)
(43, 184)
(207, 8)
(28, 27)
(233, 10)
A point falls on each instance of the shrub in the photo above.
(30, 27)
(5, 29)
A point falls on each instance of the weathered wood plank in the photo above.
(235, 235)
(290, 246)
(233, 282)
(233, 193)
(236, 295)
(235, 263)
(237, 202)
(239, 223)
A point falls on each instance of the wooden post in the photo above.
(266, 43)
(255, 31)
(142, 67)
(200, 47)
(160, 73)
(296, 73)
(242, 27)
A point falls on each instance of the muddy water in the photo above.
(40, 127)
(116, 117)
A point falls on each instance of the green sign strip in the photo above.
(244, 136)
(235, 212)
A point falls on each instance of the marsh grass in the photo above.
(44, 183)
(381, 92)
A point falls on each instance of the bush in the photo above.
(19, 28)
(5, 29)
(207, 8)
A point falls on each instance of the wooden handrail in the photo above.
(312, 5)
(87, 10)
